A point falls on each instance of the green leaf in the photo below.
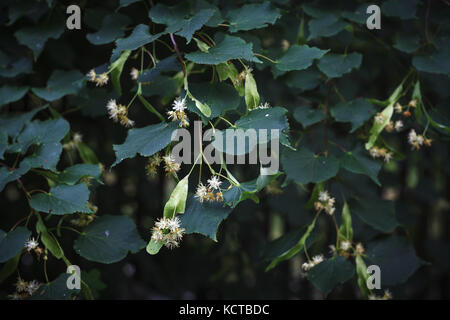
(204, 108)
(408, 43)
(113, 27)
(229, 48)
(10, 94)
(203, 218)
(346, 229)
(12, 123)
(227, 70)
(153, 246)
(50, 242)
(325, 26)
(139, 37)
(356, 111)
(288, 254)
(252, 16)
(55, 290)
(45, 157)
(93, 280)
(167, 64)
(86, 153)
(7, 175)
(379, 214)
(62, 199)
(328, 274)
(304, 79)
(220, 97)
(195, 23)
(177, 201)
(336, 65)
(396, 258)
(3, 143)
(13, 69)
(358, 161)
(303, 166)
(299, 57)
(108, 239)
(436, 62)
(145, 141)
(308, 116)
(40, 133)
(116, 70)
(13, 242)
(75, 173)
(251, 92)
(9, 268)
(60, 84)
(36, 36)
(363, 275)
(403, 9)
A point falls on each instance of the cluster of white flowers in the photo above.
(178, 112)
(119, 113)
(168, 231)
(326, 202)
(100, 80)
(264, 105)
(346, 245)
(391, 126)
(417, 140)
(376, 152)
(24, 289)
(207, 193)
(315, 261)
(170, 165)
(31, 244)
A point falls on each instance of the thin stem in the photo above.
(263, 56)
(178, 53)
(228, 122)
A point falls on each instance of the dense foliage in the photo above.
(87, 179)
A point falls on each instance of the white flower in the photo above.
(324, 196)
(170, 165)
(415, 140)
(398, 125)
(374, 152)
(14, 296)
(201, 192)
(179, 105)
(21, 285)
(77, 137)
(91, 75)
(398, 108)
(32, 287)
(102, 79)
(359, 248)
(31, 244)
(173, 224)
(332, 248)
(134, 74)
(161, 223)
(214, 182)
(113, 110)
(379, 118)
(388, 156)
(317, 259)
(345, 245)
(168, 231)
(266, 105)
(307, 265)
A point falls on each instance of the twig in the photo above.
(175, 47)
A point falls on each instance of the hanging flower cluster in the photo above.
(99, 79)
(170, 165)
(119, 113)
(33, 245)
(168, 231)
(376, 152)
(315, 261)
(211, 192)
(177, 113)
(24, 289)
(417, 140)
(326, 202)
(152, 165)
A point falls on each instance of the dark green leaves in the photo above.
(396, 258)
(73, 174)
(336, 65)
(10, 94)
(109, 239)
(112, 28)
(308, 116)
(203, 218)
(12, 243)
(303, 166)
(60, 84)
(55, 290)
(358, 161)
(46, 156)
(299, 57)
(404, 9)
(325, 26)
(252, 16)
(328, 274)
(435, 62)
(145, 141)
(62, 199)
(356, 111)
(379, 214)
(229, 48)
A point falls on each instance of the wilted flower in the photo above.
(152, 164)
(21, 285)
(170, 165)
